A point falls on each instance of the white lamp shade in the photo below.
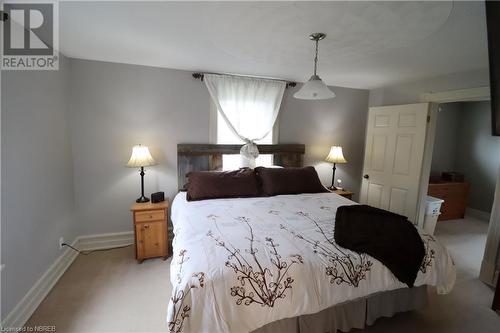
(141, 157)
(335, 155)
(315, 88)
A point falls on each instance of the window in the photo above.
(250, 107)
(226, 136)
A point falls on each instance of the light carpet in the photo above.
(110, 292)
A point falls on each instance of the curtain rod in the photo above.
(201, 75)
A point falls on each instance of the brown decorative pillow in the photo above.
(222, 184)
(289, 180)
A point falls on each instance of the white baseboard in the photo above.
(478, 214)
(30, 302)
(105, 241)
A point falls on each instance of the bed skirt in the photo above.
(353, 314)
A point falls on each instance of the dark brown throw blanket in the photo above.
(388, 237)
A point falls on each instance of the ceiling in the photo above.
(368, 44)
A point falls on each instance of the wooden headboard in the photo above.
(208, 157)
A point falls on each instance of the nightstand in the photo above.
(344, 193)
(150, 226)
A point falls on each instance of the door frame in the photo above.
(489, 272)
(461, 95)
(425, 170)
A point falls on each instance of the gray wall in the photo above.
(37, 178)
(445, 143)
(478, 155)
(464, 143)
(114, 106)
(320, 124)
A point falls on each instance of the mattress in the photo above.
(239, 264)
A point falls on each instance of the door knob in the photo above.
(366, 176)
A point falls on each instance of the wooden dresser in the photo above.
(150, 225)
(455, 199)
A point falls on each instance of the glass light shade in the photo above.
(141, 157)
(315, 88)
(335, 155)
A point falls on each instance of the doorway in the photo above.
(464, 170)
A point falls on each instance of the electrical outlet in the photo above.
(61, 241)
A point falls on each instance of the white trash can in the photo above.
(432, 212)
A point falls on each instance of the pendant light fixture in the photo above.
(315, 88)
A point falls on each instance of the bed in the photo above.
(270, 264)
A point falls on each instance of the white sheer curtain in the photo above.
(249, 107)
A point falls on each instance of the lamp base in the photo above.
(142, 199)
(332, 188)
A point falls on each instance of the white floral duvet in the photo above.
(239, 264)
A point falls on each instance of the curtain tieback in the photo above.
(249, 149)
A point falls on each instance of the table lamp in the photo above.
(141, 157)
(335, 156)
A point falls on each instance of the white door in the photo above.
(394, 150)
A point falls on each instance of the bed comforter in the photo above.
(239, 264)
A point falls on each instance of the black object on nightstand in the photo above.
(157, 197)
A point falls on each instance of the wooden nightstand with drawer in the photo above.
(344, 193)
(150, 225)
